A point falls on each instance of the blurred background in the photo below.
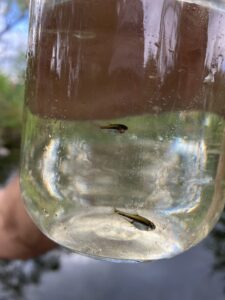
(197, 274)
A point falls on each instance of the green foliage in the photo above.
(12, 90)
(11, 99)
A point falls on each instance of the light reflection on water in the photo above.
(194, 157)
(48, 167)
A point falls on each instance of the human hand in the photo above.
(20, 238)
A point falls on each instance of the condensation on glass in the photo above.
(123, 146)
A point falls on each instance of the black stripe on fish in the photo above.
(121, 128)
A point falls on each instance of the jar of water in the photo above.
(123, 152)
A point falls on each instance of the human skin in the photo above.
(129, 89)
(20, 238)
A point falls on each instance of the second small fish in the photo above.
(139, 222)
(120, 128)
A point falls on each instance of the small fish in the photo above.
(116, 127)
(139, 222)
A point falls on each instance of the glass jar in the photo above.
(123, 151)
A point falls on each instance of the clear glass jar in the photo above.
(123, 151)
